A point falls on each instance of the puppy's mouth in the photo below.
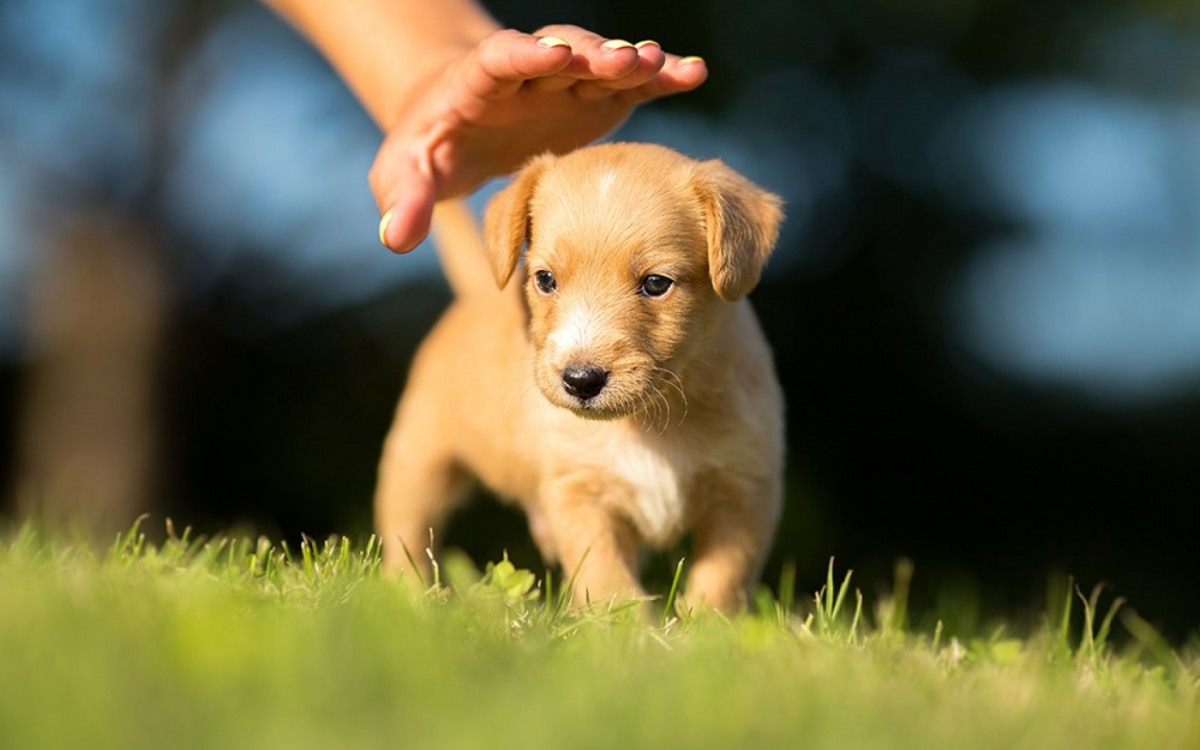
(587, 410)
(605, 395)
(589, 391)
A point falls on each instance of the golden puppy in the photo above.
(618, 386)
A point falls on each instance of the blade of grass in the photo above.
(829, 591)
(841, 595)
(857, 616)
(412, 563)
(669, 609)
(568, 593)
(1152, 641)
(1064, 625)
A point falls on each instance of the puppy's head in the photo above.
(632, 251)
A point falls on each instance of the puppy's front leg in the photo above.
(419, 483)
(731, 540)
(597, 548)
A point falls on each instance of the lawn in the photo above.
(241, 643)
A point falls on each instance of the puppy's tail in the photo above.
(461, 249)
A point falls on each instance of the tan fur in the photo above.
(687, 432)
(460, 248)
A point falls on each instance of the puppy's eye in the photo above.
(656, 286)
(545, 282)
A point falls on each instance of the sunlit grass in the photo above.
(237, 642)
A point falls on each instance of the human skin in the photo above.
(461, 99)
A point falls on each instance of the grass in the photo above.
(241, 643)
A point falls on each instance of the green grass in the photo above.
(237, 643)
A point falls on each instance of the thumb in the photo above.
(406, 222)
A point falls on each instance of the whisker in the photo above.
(641, 414)
(646, 409)
(674, 381)
(650, 412)
(666, 411)
(662, 406)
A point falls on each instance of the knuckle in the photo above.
(375, 177)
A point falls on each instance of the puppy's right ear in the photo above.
(506, 222)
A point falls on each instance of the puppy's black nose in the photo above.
(584, 382)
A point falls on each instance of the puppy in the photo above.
(616, 384)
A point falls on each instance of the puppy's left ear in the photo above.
(742, 222)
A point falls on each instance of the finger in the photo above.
(610, 61)
(407, 223)
(651, 59)
(407, 203)
(595, 56)
(503, 61)
(678, 74)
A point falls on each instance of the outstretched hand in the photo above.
(514, 95)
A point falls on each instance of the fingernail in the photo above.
(647, 43)
(614, 44)
(552, 41)
(383, 226)
(690, 59)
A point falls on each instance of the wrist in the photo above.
(414, 63)
(401, 90)
(389, 51)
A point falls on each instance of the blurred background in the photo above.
(985, 306)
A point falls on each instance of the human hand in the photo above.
(487, 109)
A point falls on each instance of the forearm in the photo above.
(384, 49)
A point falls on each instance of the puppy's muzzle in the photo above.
(584, 382)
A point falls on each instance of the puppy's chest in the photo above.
(659, 480)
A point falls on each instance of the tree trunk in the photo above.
(88, 419)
